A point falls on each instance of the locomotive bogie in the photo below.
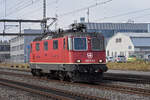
(71, 72)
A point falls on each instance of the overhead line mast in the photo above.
(43, 22)
(4, 17)
(44, 16)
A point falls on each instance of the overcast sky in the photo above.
(114, 11)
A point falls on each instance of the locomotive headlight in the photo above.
(100, 61)
(96, 70)
(78, 61)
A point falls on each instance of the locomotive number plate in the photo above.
(89, 60)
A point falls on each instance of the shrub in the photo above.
(137, 65)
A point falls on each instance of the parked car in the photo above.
(147, 57)
(131, 58)
(110, 59)
(120, 59)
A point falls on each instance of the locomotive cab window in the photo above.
(37, 46)
(46, 45)
(55, 44)
(80, 44)
(97, 44)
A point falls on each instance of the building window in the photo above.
(122, 53)
(107, 52)
(118, 40)
(37, 46)
(55, 44)
(129, 47)
(22, 47)
(112, 54)
(46, 45)
(115, 54)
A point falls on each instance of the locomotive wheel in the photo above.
(72, 80)
(61, 76)
(71, 77)
(49, 76)
(38, 73)
(33, 72)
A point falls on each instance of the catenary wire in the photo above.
(24, 7)
(124, 14)
(85, 8)
(33, 12)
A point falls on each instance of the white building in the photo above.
(20, 46)
(128, 44)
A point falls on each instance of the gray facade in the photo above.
(4, 51)
(109, 29)
(20, 47)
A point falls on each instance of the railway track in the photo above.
(125, 89)
(53, 93)
(118, 88)
(140, 79)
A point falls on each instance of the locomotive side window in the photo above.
(55, 44)
(80, 44)
(46, 45)
(64, 43)
(97, 44)
(37, 46)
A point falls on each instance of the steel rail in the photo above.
(119, 88)
(132, 78)
(52, 96)
(53, 93)
(140, 79)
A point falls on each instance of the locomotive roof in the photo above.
(53, 35)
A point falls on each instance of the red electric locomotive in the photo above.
(73, 56)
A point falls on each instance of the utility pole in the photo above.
(44, 16)
(56, 16)
(88, 14)
(56, 24)
(5, 8)
(44, 9)
(4, 17)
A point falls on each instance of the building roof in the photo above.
(139, 42)
(139, 39)
(117, 26)
(130, 34)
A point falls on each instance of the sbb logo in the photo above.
(90, 55)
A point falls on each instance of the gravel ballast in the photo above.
(7, 93)
(113, 95)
